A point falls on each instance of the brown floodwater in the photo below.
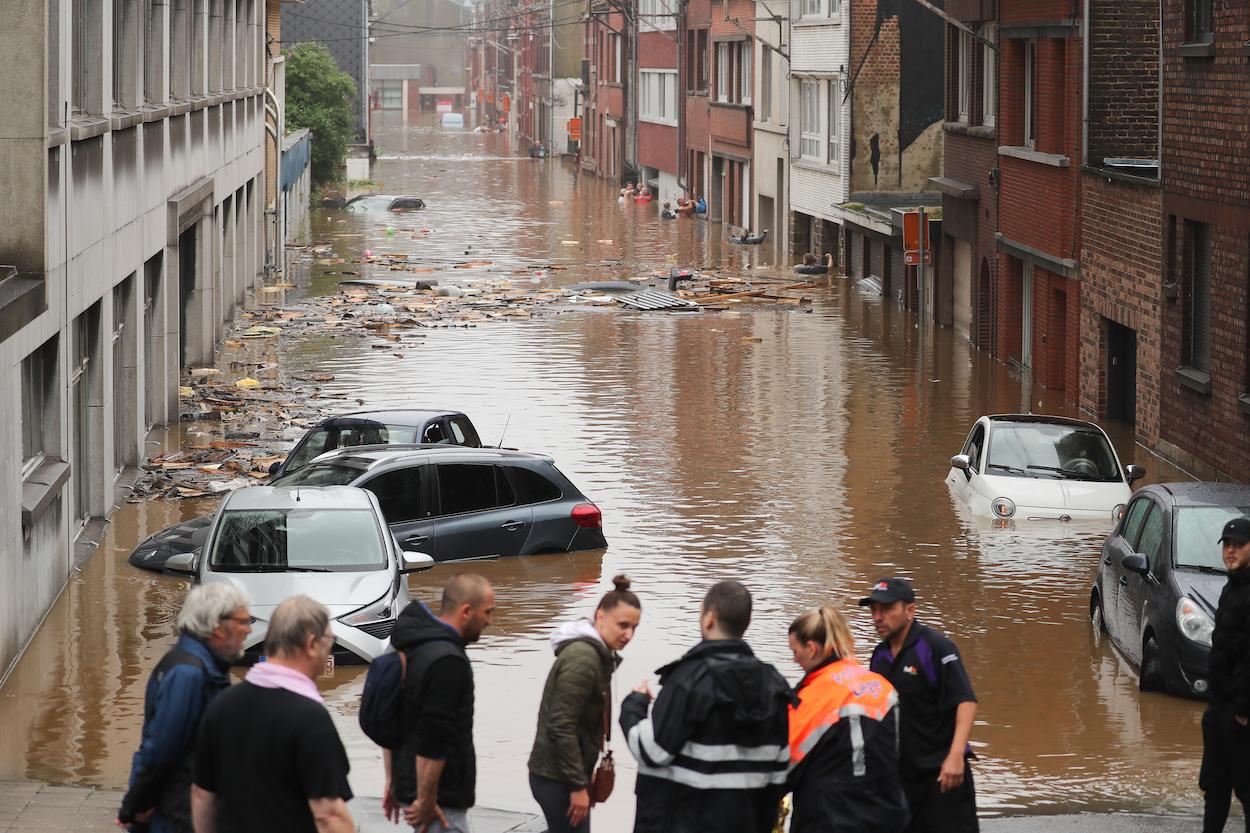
(802, 452)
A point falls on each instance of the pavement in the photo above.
(36, 807)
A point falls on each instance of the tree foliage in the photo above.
(319, 97)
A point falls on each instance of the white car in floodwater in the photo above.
(1031, 467)
(327, 542)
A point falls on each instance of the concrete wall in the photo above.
(123, 185)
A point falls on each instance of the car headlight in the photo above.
(1193, 621)
(1003, 507)
(1117, 512)
(378, 611)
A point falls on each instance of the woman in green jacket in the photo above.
(572, 715)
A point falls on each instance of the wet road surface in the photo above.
(801, 452)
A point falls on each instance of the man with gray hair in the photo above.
(214, 621)
(269, 759)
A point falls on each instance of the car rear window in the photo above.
(532, 487)
(467, 487)
(322, 474)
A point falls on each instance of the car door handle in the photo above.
(512, 526)
(416, 539)
(1124, 581)
(1107, 560)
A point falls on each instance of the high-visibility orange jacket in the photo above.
(844, 752)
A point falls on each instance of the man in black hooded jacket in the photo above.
(712, 755)
(432, 776)
(1225, 733)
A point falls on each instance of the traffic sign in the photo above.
(911, 257)
(912, 242)
(575, 129)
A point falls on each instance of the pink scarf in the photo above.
(273, 675)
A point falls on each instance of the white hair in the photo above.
(207, 605)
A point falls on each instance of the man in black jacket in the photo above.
(713, 754)
(433, 775)
(1225, 734)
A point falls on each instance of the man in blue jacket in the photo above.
(214, 622)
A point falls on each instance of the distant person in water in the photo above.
(644, 194)
(629, 190)
(668, 213)
(685, 205)
(700, 205)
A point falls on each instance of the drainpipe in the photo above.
(1085, 85)
(277, 253)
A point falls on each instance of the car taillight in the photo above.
(587, 516)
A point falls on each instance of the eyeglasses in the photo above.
(239, 620)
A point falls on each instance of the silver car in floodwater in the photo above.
(329, 542)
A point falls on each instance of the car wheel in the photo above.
(1151, 666)
(1095, 615)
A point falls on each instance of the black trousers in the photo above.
(1225, 766)
(553, 798)
(934, 811)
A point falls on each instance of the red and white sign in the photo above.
(912, 242)
(444, 105)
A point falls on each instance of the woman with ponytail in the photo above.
(843, 735)
(576, 709)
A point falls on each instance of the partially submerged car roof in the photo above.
(1044, 418)
(296, 497)
(1198, 493)
(401, 416)
(367, 456)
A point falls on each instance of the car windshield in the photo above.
(1036, 449)
(297, 540)
(1198, 530)
(340, 434)
(322, 474)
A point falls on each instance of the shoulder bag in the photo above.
(604, 778)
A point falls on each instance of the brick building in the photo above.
(1204, 419)
(1037, 313)
(968, 184)
(607, 75)
(695, 27)
(1121, 220)
(732, 55)
(659, 101)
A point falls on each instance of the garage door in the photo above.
(963, 288)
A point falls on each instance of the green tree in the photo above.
(319, 97)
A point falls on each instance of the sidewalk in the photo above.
(35, 807)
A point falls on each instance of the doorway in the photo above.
(186, 285)
(1121, 373)
(962, 289)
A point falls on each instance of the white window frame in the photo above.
(989, 74)
(964, 67)
(835, 8)
(657, 96)
(724, 71)
(809, 118)
(811, 8)
(766, 84)
(1030, 69)
(746, 58)
(833, 149)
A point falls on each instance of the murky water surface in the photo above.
(801, 452)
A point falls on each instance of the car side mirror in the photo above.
(1136, 563)
(274, 466)
(183, 562)
(962, 462)
(1134, 472)
(415, 562)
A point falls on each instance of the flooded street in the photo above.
(802, 452)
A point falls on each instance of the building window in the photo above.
(964, 70)
(1030, 97)
(1198, 296)
(83, 17)
(812, 8)
(835, 106)
(809, 120)
(989, 75)
(733, 71)
(1198, 14)
(657, 91)
(38, 406)
(766, 83)
(614, 43)
(656, 14)
(820, 8)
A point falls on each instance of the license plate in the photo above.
(328, 671)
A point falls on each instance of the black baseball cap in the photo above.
(1236, 530)
(890, 590)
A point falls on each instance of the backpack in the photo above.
(382, 704)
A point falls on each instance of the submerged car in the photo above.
(1031, 467)
(1159, 581)
(398, 426)
(385, 202)
(464, 503)
(331, 544)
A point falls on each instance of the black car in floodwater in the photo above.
(398, 426)
(1159, 581)
(463, 503)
